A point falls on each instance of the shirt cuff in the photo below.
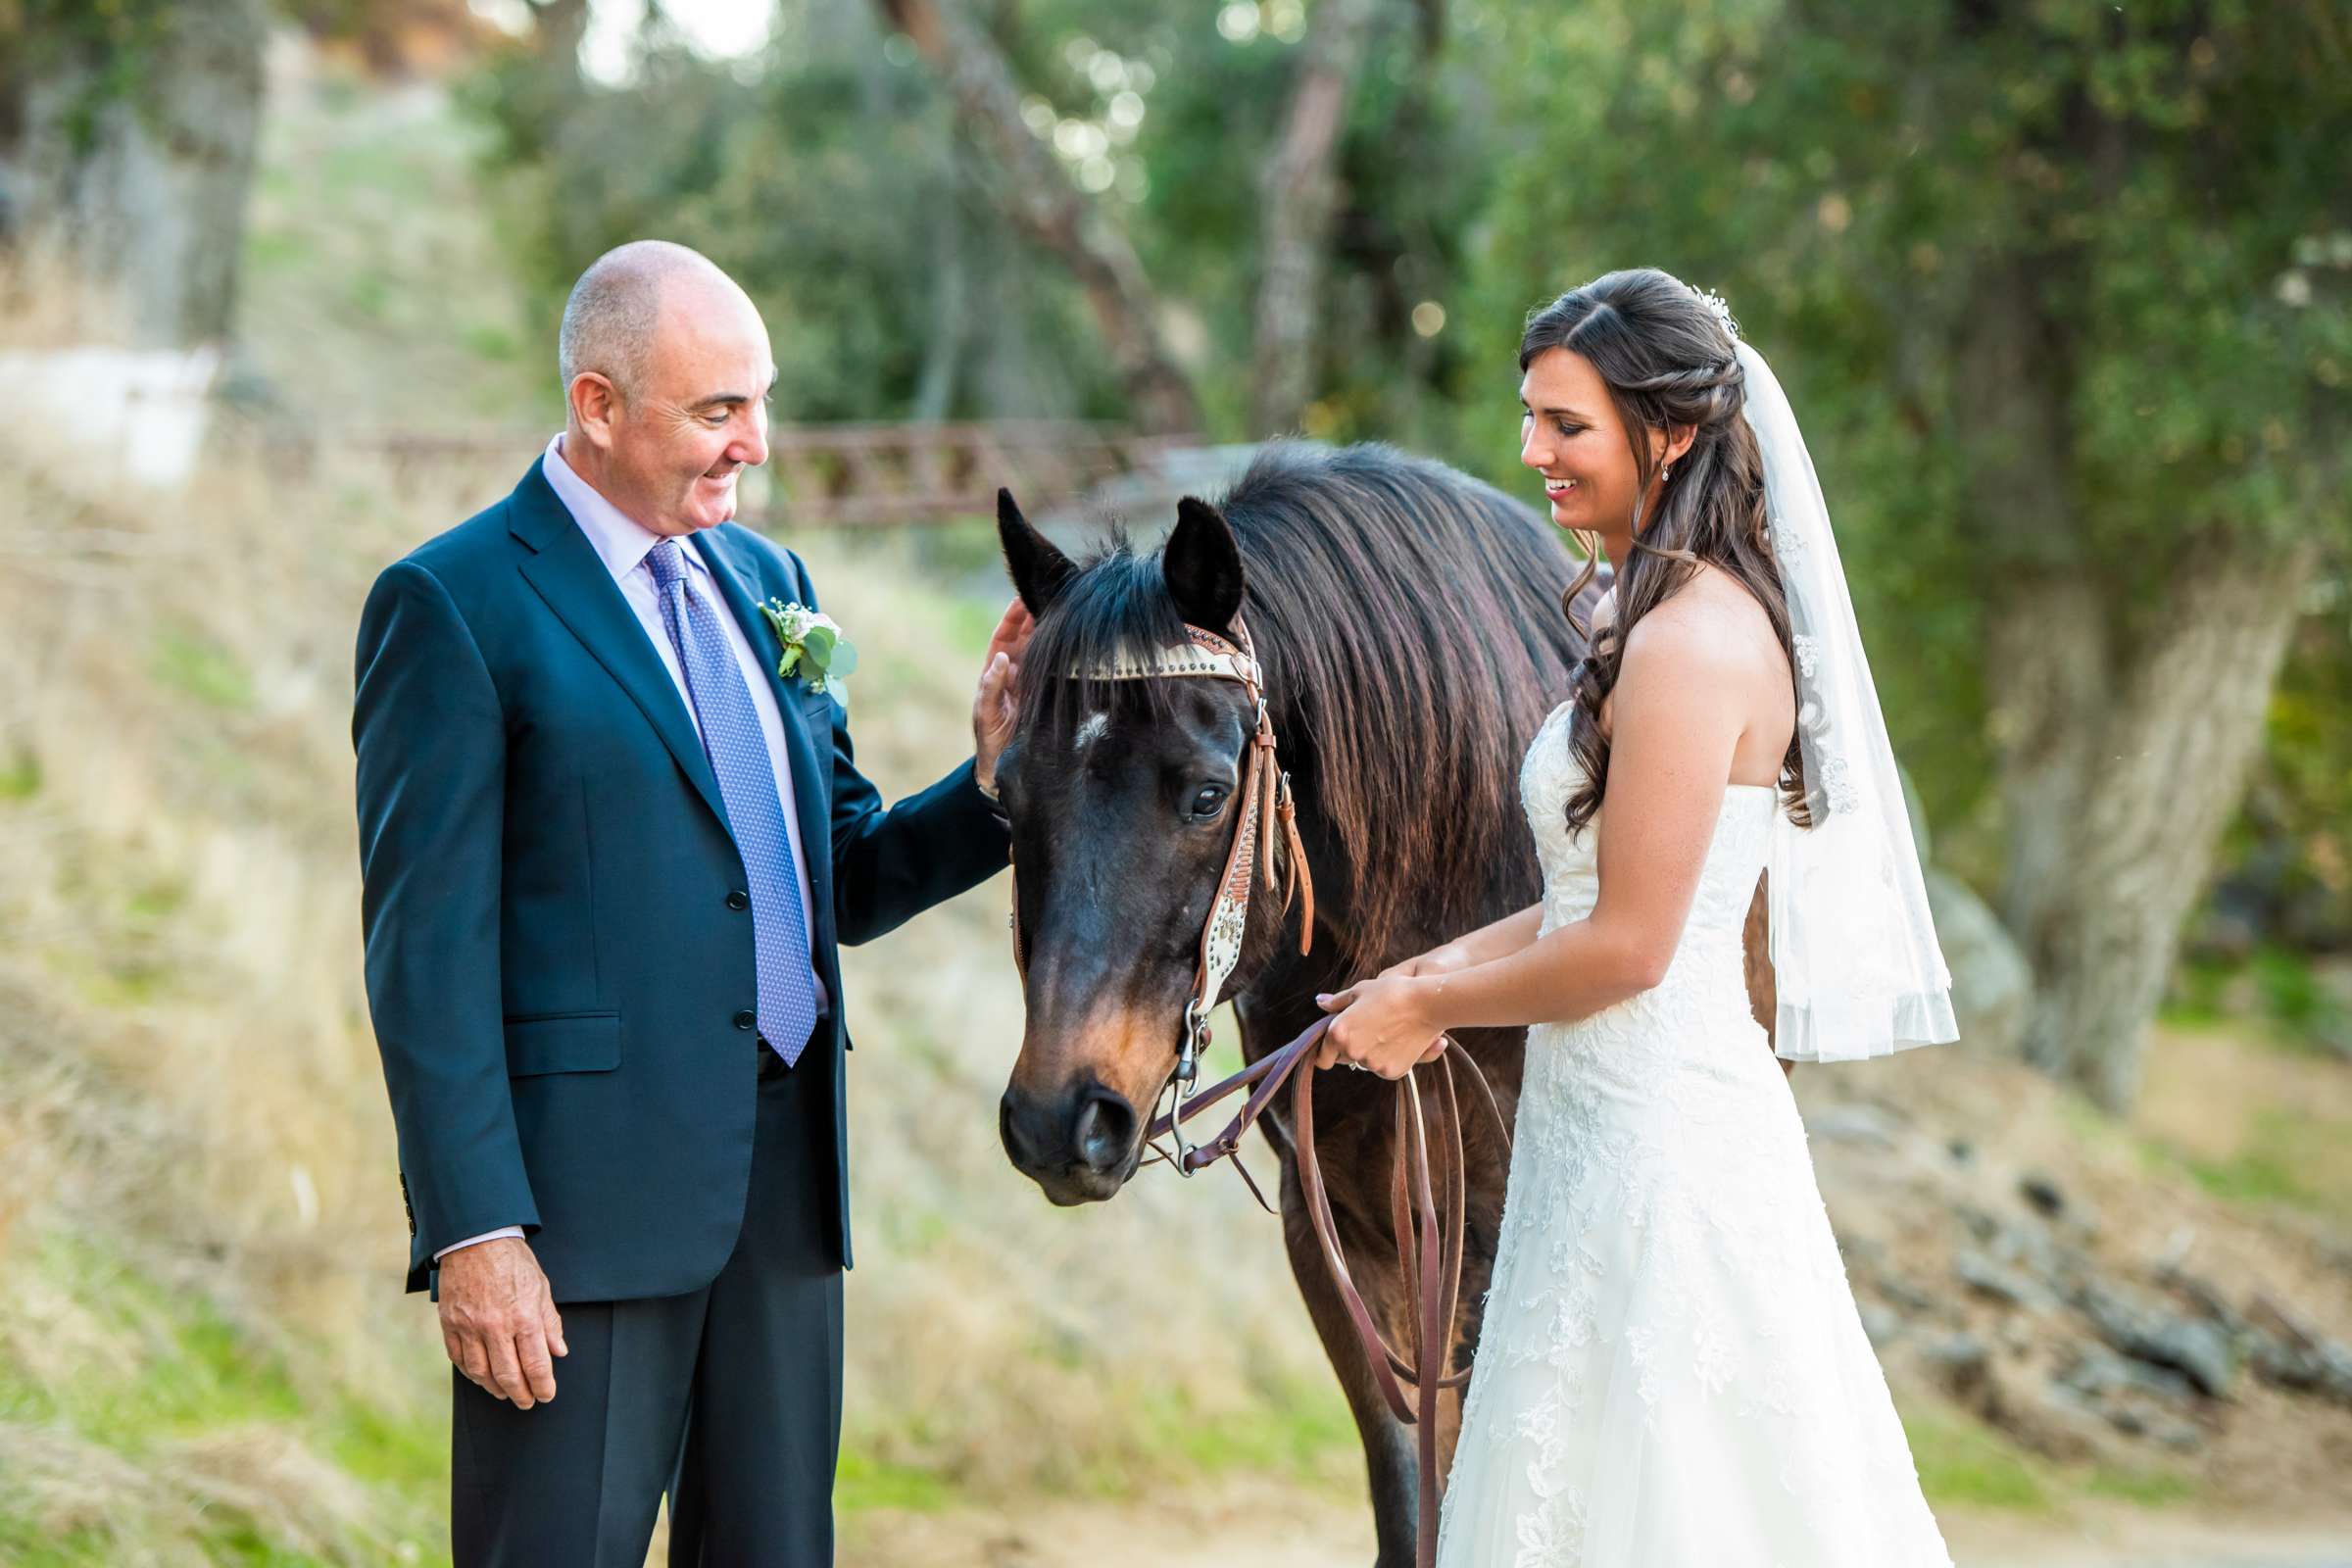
(993, 801)
(473, 1241)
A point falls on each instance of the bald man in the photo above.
(609, 853)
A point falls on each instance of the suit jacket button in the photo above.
(746, 1018)
(739, 899)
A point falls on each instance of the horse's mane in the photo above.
(1409, 619)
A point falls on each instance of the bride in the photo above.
(1671, 1371)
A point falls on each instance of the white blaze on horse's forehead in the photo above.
(1090, 730)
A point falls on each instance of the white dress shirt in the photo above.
(622, 542)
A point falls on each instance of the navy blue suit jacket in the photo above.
(558, 956)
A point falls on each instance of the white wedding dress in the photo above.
(1670, 1373)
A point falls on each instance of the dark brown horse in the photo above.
(1409, 622)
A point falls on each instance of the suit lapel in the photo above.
(810, 755)
(567, 572)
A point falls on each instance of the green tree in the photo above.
(828, 177)
(2064, 294)
(1046, 208)
(127, 145)
(128, 131)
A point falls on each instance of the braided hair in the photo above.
(1670, 362)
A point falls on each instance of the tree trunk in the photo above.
(1052, 213)
(950, 306)
(135, 160)
(2118, 774)
(1300, 198)
(2122, 742)
(557, 29)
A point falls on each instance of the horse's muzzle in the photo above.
(1078, 1148)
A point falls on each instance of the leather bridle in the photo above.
(1266, 807)
(1430, 1241)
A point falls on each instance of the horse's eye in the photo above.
(1209, 802)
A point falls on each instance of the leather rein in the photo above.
(1429, 1236)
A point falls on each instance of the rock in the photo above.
(2027, 1246)
(2074, 1413)
(2043, 1193)
(1882, 1324)
(1906, 1294)
(2324, 1370)
(1861, 1252)
(2202, 1295)
(1854, 1124)
(2133, 1396)
(1960, 1362)
(1982, 1275)
(2097, 1373)
(2197, 1349)
(1992, 985)
(2135, 1422)
(2042, 1419)
(2016, 1259)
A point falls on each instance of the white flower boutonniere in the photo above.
(814, 649)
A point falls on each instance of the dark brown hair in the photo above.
(1670, 362)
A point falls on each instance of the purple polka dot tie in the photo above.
(747, 782)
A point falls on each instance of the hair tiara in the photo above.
(1720, 306)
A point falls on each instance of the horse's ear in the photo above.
(1202, 566)
(1039, 570)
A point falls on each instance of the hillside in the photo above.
(207, 1358)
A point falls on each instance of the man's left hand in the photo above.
(994, 710)
(1381, 1025)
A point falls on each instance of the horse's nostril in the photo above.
(1009, 1131)
(1104, 1131)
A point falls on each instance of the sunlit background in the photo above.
(2063, 294)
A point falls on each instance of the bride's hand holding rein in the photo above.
(1383, 1022)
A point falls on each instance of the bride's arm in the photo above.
(1485, 945)
(1678, 717)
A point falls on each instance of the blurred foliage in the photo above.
(1860, 180)
(828, 184)
(124, 38)
(103, 47)
(830, 179)
(1856, 178)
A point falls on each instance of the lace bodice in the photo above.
(1709, 964)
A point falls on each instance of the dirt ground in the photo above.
(1915, 1155)
(1254, 1525)
(2272, 1478)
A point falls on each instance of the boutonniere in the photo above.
(814, 649)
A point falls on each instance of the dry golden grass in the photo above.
(194, 1138)
(200, 1233)
(193, 1132)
